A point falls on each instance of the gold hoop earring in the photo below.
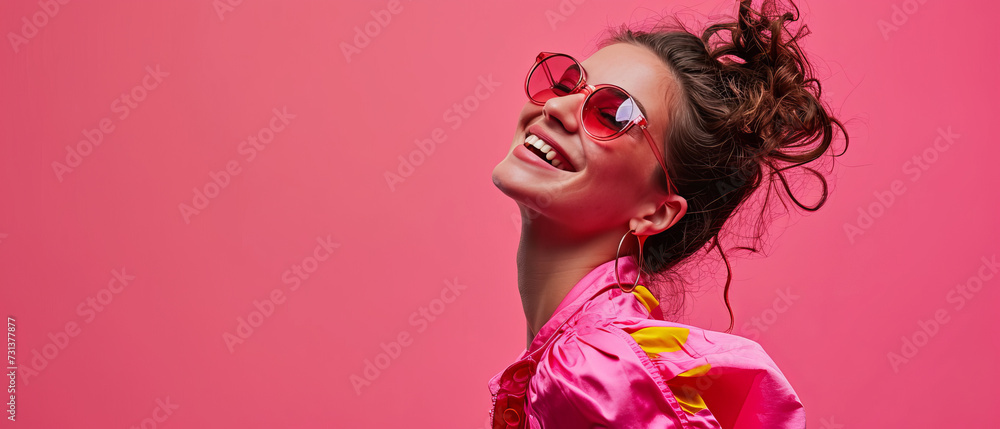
(642, 241)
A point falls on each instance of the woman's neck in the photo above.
(550, 262)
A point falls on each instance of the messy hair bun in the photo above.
(747, 111)
(777, 105)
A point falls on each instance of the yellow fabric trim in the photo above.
(647, 299)
(696, 372)
(660, 339)
(689, 399)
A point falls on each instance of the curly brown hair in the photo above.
(748, 110)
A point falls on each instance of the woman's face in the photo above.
(613, 181)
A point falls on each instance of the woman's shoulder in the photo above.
(619, 350)
(637, 314)
(635, 318)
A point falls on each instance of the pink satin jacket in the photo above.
(607, 359)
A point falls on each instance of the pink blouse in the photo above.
(607, 359)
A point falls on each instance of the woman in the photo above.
(624, 165)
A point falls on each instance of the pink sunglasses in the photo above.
(608, 111)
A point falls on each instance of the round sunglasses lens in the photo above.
(555, 76)
(608, 111)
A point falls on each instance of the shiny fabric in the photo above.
(607, 359)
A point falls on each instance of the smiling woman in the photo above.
(661, 135)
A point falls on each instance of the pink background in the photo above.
(161, 338)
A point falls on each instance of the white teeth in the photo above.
(545, 148)
(539, 144)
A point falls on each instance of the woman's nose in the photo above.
(564, 110)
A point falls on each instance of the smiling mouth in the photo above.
(547, 153)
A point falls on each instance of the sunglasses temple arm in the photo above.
(659, 157)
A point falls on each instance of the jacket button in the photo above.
(511, 417)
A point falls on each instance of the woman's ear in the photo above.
(660, 217)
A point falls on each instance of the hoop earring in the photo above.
(642, 241)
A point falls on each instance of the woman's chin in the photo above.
(507, 185)
(503, 177)
(514, 181)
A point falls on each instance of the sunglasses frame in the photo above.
(583, 87)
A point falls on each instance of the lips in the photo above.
(549, 152)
